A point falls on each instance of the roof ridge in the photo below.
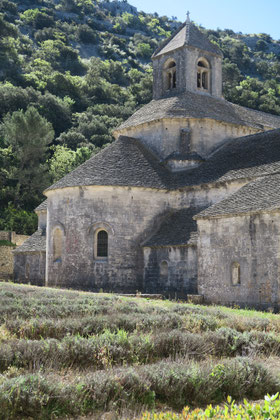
(167, 40)
(253, 109)
(241, 138)
(237, 202)
(102, 151)
(126, 162)
(152, 158)
(183, 105)
(192, 37)
(188, 25)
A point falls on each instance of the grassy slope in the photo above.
(74, 353)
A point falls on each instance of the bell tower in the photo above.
(187, 61)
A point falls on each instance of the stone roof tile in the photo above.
(35, 243)
(260, 195)
(126, 162)
(178, 228)
(43, 206)
(187, 34)
(245, 157)
(197, 105)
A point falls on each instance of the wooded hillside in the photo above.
(73, 70)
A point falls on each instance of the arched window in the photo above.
(203, 74)
(57, 244)
(170, 75)
(102, 244)
(27, 270)
(235, 274)
(164, 269)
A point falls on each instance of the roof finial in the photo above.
(188, 17)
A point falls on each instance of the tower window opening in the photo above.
(169, 80)
(170, 75)
(203, 75)
(174, 80)
(198, 79)
(204, 80)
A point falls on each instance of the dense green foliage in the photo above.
(267, 409)
(66, 353)
(84, 67)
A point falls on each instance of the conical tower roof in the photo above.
(187, 35)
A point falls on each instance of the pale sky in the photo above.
(246, 16)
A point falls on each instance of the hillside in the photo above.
(73, 70)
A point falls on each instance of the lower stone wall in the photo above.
(128, 215)
(239, 260)
(18, 239)
(6, 253)
(30, 268)
(6, 262)
(12, 237)
(171, 271)
(5, 235)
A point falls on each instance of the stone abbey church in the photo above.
(185, 201)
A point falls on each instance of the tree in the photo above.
(144, 50)
(64, 160)
(29, 134)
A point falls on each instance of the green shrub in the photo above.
(86, 34)
(175, 384)
(268, 409)
(6, 243)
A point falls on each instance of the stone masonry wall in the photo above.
(182, 271)
(6, 262)
(163, 136)
(5, 235)
(30, 268)
(12, 237)
(186, 70)
(128, 214)
(253, 242)
(6, 253)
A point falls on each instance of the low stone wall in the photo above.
(6, 262)
(18, 239)
(12, 237)
(5, 236)
(6, 253)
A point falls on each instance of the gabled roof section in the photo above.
(187, 34)
(195, 105)
(261, 195)
(43, 206)
(126, 162)
(245, 157)
(35, 243)
(177, 229)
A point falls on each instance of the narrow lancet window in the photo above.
(57, 245)
(102, 244)
(235, 274)
(164, 269)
